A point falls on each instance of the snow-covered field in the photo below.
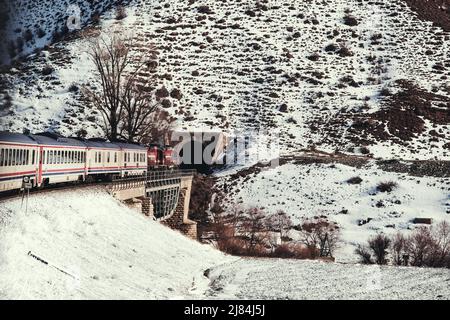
(97, 248)
(312, 280)
(305, 191)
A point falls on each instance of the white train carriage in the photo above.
(103, 159)
(19, 158)
(133, 159)
(61, 159)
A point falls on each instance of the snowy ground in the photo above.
(99, 249)
(110, 251)
(300, 280)
(305, 191)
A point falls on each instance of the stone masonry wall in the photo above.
(179, 220)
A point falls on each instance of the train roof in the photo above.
(130, 146)
(51, 139)
(101, 144)
(6, 136)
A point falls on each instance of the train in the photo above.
(46, 158)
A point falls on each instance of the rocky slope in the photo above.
(331, 74)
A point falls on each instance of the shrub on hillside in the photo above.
(387, 186)
(350, 21)
(364, 254)
(354, 180)
(121, 13)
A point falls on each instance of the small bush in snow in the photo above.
(354, 180)
(364, 254)
(350, 21)
(387, 186)
(121, 13)
(47, 70)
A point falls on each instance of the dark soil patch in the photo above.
(403, 113)
(436, 11)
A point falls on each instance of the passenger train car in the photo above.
(48, 159)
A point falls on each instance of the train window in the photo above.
(115, 157)
(33, 155)
(109, 157)
(2, 157)
(13, 157)
(27, 157)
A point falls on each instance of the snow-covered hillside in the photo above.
(103, 250)
(315, 189)
(30, 25)
(97, 248)
(336, 74)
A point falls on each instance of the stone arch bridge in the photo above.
(163, 195)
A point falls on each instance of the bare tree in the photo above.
(254, 229)
(280, 222)
(321, 235)
(157, 128)
(419, 245)
(398, 248)
(379, 246)
(442, 238)
(126, 99)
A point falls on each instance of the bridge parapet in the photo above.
(163, 194)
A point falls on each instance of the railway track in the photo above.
(9, 195)
(156, 177)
